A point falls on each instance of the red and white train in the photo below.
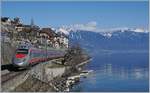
(27, 55)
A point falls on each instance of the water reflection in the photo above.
(123, 72)
(113, 78)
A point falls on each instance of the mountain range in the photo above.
(124, 39)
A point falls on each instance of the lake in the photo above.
(123, 71)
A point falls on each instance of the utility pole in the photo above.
(32, 29)
(3, 47)
(46, 47)
(32, 22)
(43, 65)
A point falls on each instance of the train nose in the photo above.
(19, 62)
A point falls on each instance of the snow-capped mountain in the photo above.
(122, 39)
(62, 30)
(91, 27)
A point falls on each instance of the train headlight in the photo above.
(20, 63)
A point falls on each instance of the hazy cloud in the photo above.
(92, 26)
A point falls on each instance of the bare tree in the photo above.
(73, 55)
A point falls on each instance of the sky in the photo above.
(102, 14)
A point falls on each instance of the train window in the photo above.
(22, 51)
(34, 54)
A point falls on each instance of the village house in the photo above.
(27, 28)
(28, 31)
(22, 27)
(7, 28)
(46, 35)
(5, 21)
(33, 34)
(63, 39)
(55, 40)
(8, 21)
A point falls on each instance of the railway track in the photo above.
(9, 76)
(13, 74)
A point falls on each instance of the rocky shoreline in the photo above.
(65, 83)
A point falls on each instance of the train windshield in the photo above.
(22, 51)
